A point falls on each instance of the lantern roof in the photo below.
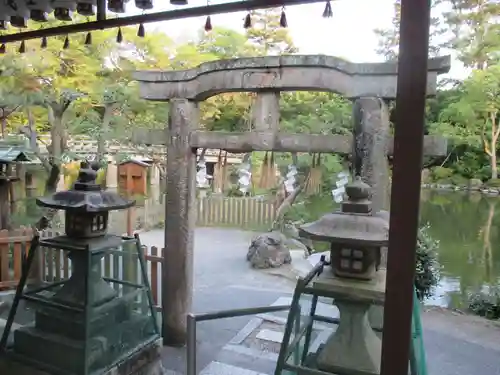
(354, 224)
(86, 195)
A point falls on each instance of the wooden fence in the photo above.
(240, 212)
(243, 212)
(14, 246)
(54, 265)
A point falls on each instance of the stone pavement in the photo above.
(455, 345)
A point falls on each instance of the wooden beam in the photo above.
(278, 142)
(169, 15)
(406, 180)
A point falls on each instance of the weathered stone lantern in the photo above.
(89, 323)
(356, 234)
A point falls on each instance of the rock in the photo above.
(294, 244)
(475, 184)
(426, 176)
(269, 250)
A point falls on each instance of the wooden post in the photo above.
(406, 179)
(180, 217)
(4, 204)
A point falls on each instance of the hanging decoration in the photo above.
(220, 174)
(268, 172)
(208, 21)
(208, 24)
(290, 179)
(119, 36)
(18, 21)
(248, 21)
(144, 4)
(63, 9)
(245, 174)
(339, 191)
(44, 43)
(15, 12)
(66, 42)
(141, 33)
(328, 13)
(313, 185)
(39, 10)
(22, 47)
(88, 39)
(201, 174)
(283, 20)
(117, 6)
(86, 7)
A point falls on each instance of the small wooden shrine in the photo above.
(9, 159)
(133, 177)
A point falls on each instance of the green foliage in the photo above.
(441, 173)
(493, 183)
(486, 305)
(427, 268)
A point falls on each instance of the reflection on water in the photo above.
(466, 224)
(467, 227)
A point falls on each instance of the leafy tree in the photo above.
(475, 28)
(478, 108)
(388, 45)
(266, 34)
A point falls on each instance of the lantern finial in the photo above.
(359, 194)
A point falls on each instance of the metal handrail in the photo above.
(192, 319)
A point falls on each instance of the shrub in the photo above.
(441, 173)
(459, 180)
(427, 268)
(485, 305)
(493, 183)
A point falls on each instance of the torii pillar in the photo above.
(366, 84)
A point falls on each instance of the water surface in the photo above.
(466, 224)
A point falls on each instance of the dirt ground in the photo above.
(462, 326)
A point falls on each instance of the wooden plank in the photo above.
(278, 142)
(4, 259)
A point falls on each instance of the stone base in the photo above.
(354, 345)
(146, 361)
(44, 348)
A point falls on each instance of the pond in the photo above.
(466, 225)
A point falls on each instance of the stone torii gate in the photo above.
(369, 85)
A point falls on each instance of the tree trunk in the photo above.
(106, 114)
(493, 159)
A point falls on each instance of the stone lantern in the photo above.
(89, 323)
(356, 234)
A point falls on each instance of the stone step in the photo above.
(219, 368)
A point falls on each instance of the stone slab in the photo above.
(270, 335)
(373, 290)
(217, 368)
